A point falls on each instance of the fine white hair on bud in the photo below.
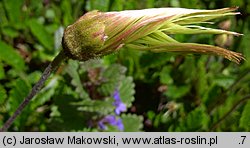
(100, 33)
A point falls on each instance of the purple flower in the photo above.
(111, 119)
(120, 107)
(119, 124)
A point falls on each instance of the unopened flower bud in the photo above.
(83, 38)
(97, 34)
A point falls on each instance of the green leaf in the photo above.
(114, 71)
(224, 81)
(71, 69)
(2, 74)
(34, 77)
(201, 76)
(46, 93)
(131, 4)
(50, 14)
(245, 118)
(67, 15)
(196, 120)
(39, 31)
(3, 20)
(174, 3)
(18, 92)
(127, 91)
(3, 94)
(11, 57)
(54, 111)
(191, 4)
(115, 5)
(244, 44)
(150, 60)
(7, 31)
(98, 5)
(150, 3)
(113, 77)
(176, 92)
(165, 76)
(14, 13)
(130, 59)
(132, 123)
(70, 118)
(103, 107)
(188, 68)
(151, 115)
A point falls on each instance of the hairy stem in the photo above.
(53, 66)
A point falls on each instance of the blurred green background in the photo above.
(162, 92)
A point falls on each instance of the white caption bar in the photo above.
(124, 140)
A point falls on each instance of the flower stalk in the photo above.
(53, 66)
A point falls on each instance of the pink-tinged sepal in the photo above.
(100, 33)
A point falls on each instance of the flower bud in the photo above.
(100, 33)
(82, 39)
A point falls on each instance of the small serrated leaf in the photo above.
(127, 91)
(102, 107)
(112, 77)
(195, 120)
(132, 123)
(70, 118)
(71, 69)
(114, 70)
